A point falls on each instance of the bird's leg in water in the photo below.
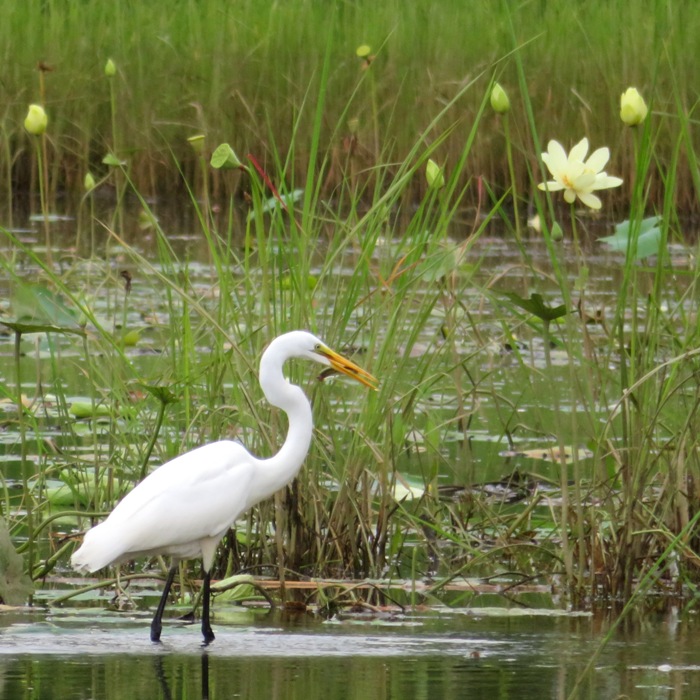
(157, 624)
(206, 595)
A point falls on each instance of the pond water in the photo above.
(421, 655)
(79, 651)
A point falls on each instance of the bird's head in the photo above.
(303, 344)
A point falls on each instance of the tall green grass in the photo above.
(244, 73)
(419, 305)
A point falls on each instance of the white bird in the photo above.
(187, 505)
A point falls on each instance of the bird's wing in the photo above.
(195, 496)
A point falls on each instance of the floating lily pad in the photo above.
(536, 306)
(39, 310)
(88, 409)
(648, 240)
(551, 454)
(273, 203)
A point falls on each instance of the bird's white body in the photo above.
(185, 507)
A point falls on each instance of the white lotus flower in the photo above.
(577, 176)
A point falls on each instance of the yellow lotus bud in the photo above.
(36, 120)
(110, 68)
(434, 175)
(633, 109)
(363, 51)
(89, 182)
(499, 99)
(197, 143)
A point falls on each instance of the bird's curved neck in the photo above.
(280, 469)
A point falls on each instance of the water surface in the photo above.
(426, 654)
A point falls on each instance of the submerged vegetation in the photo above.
(364, 209)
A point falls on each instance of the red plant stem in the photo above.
(267, 180)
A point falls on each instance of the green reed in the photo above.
(183, 69)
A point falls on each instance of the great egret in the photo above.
(185, 507)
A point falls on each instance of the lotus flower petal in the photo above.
(575, 175)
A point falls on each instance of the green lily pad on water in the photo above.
(39, 310)
(536, 306)
(648, 240)
(273, 203)
(87, 409)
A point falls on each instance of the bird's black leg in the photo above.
(157, 624)
(206, 595)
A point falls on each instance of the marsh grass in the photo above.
(246, 75)
(418, 306)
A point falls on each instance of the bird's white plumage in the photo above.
(186, 506)
(192, 498)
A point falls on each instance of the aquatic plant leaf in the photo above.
(112, 160)
(23, 328)
(164, 394)
(70, 491)
(648, 240)
(236, 588)
(273, 203)
(536, 306)
(289, 282)
(225, 158)
(86, 409)
(441, 264)
(550, 454)
(15, 585)
(38, 310)
(407, 488)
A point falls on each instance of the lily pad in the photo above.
(551, 454)
(273, 203)
(648, 240)
(39, 310)
(536, 306)
(87, 409)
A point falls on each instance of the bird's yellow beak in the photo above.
(343, 365)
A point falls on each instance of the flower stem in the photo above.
(511, 172)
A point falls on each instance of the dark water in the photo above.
(461, 654)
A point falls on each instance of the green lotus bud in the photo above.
(633, 109)
(197, 143)
(36, 120)
(110, 68)
(89, 182)
(225, 157)
(434, 175)
(363, 51)
(499, 99)
(557, 233)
